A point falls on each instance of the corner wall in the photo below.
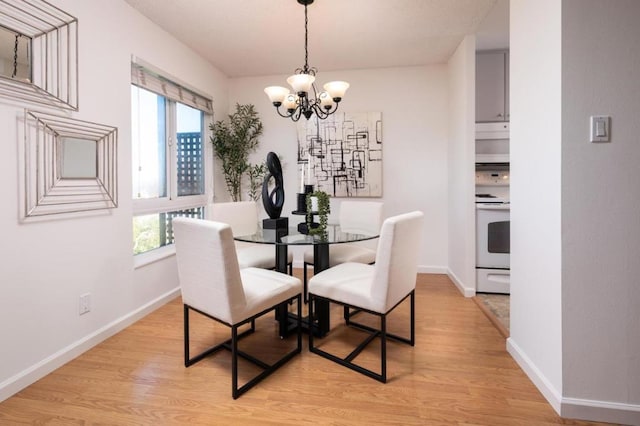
(601, 211)
(575, 322)
(461, 167)
(536, 233)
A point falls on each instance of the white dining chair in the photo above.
(362, 217)
(375, 289)
(212, 284)
(242, 216)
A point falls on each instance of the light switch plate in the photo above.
(600, 126)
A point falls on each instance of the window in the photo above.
(168, 167)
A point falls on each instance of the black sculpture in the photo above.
(274, 201)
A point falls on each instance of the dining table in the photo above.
(281, 239)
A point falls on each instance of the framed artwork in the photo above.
(38, 54)
(69, 165)
(342, 155)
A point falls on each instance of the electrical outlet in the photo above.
(85, 303)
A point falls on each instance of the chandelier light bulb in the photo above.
(290, 102)
(325, 100)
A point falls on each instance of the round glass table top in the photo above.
(333, 235)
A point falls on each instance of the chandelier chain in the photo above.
(15, 57)
(306, 40)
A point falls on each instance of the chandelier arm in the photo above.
(317, 109)
(295, 116)
(281, 114)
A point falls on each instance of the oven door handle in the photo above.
(503, 277)
(493, 207)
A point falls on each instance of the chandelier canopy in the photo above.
(305, 99)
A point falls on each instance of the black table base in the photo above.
(320, 324)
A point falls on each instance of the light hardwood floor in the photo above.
(458, 373)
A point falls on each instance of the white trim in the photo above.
(552, 395)
(426, 269)
(466, 291)
(574, 408)
(37, 371)
(154, 255)
(601, 411)
(142, 206)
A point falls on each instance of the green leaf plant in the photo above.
(233, 141)
(324, 208)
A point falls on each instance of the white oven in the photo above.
(493, 227)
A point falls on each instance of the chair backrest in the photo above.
(242, 216)
(360, 216)
(396, 264)
(208, 267)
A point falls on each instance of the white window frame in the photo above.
(173, 202)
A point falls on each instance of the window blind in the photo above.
(153, 81)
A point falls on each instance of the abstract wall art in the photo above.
(342, 155)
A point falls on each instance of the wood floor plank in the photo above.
(458, 373)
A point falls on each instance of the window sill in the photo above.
(142, 259)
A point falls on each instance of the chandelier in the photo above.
(305, 99)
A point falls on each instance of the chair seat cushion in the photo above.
(342, 253)
(258, 256)
(263, 289)
(349, 283)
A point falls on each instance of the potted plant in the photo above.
(322, 209)
(232, 142)
(256, 173)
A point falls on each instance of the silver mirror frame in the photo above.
(46, 191)
(54, 53)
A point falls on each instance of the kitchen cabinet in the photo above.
(492, 86)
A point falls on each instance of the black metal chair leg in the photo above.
(234, 362)
(186, 335)
(373, 334)
(232, 345)
(304, 283)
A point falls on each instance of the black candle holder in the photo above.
(301, 209)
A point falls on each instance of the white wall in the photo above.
(414, 107)
(461, 166)
(46, 266)
(601, 208)
(536, 140)
(575, 323)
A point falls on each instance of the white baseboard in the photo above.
(466, 291)
(37, 371)
(551, 394)
(431, 269)
(574, 408)
(601, 411)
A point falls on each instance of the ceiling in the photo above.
(264, 37)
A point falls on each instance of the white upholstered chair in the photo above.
(242, 216)
(213, 285)
(358, 217)
(375, 289)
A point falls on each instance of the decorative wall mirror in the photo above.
(38, 53)
(70, 165)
